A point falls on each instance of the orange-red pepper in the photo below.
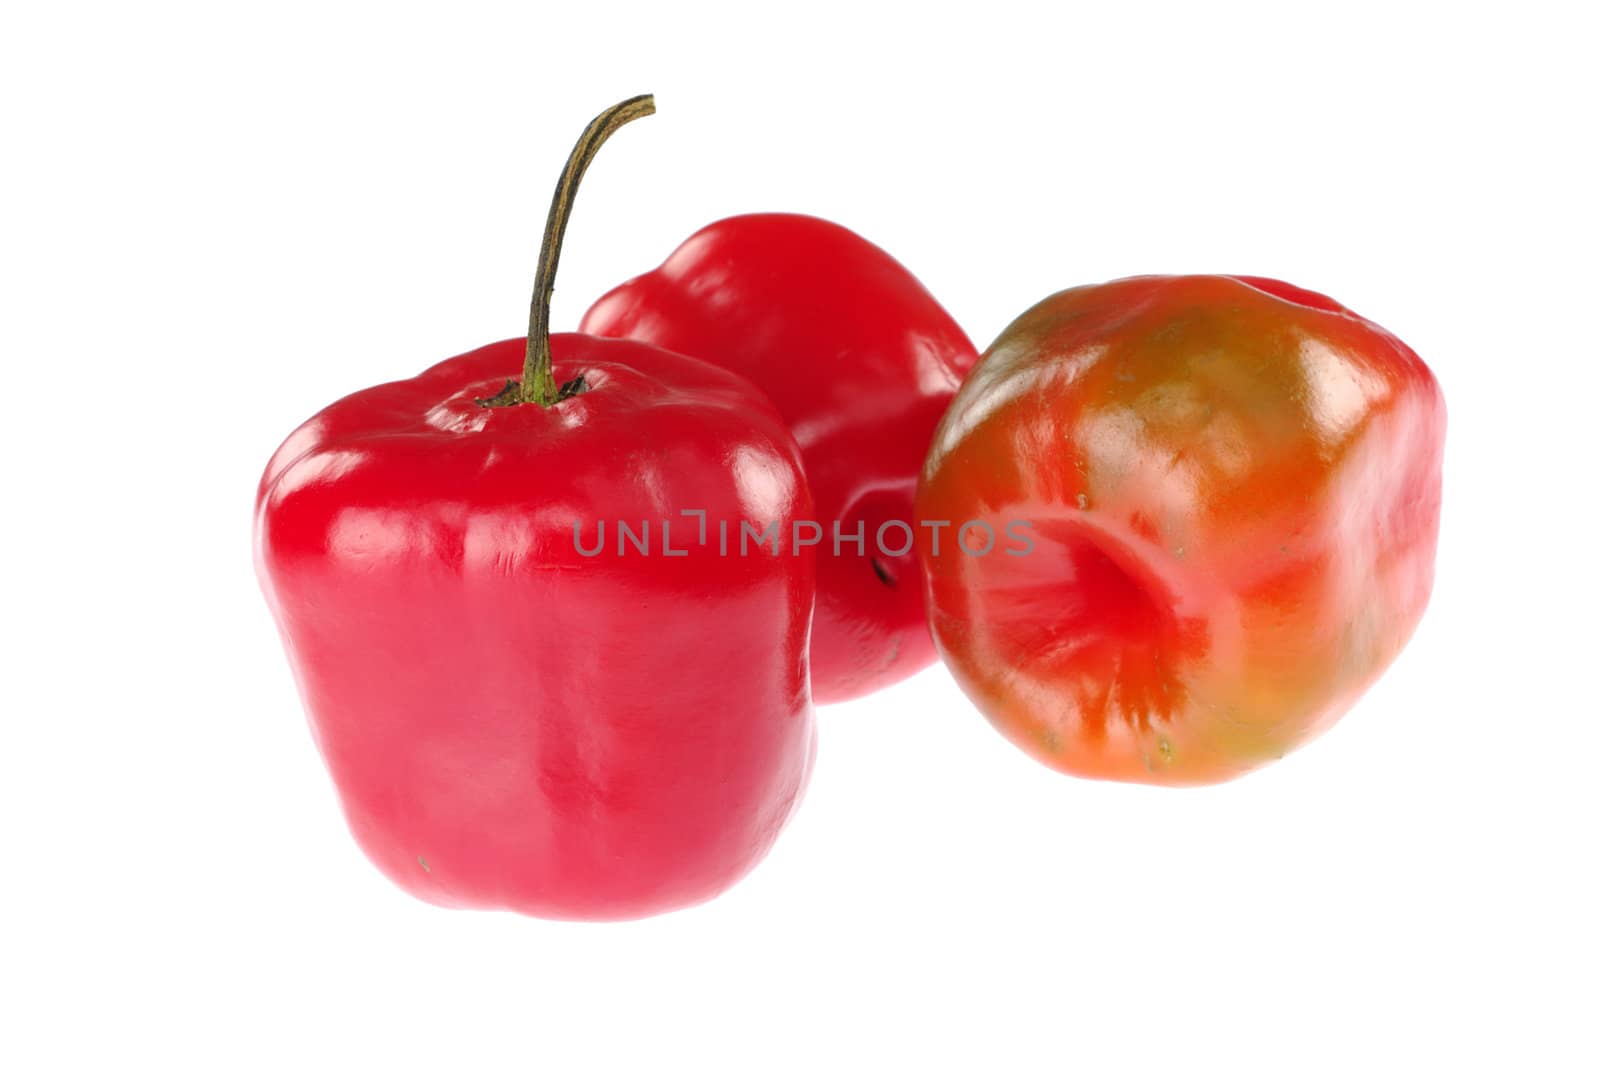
(1231, 488)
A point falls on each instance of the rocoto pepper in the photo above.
(1231, 486)
(862, 361)
(514, 717)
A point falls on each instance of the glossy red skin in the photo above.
(862, 362)
(1234, 490)
(511, 724)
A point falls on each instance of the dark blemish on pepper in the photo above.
(883, 573)
(509, 395)
(424, 864)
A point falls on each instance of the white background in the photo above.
(218, 217)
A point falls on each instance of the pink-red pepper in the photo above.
(862, 361)
(538, 686)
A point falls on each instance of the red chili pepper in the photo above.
(862, 362)
(1231, 491)
(513, 719)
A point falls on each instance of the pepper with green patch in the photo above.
(1233, 485)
